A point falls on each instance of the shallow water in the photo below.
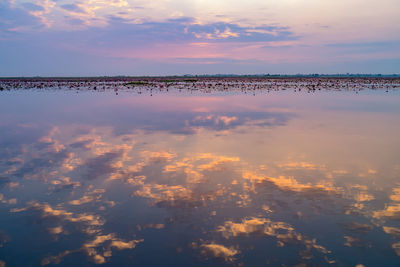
(184, 178)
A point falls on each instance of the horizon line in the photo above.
(267, 75)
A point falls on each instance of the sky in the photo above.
(176, 37)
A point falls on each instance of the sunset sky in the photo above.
(166, 37)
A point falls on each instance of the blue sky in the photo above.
(166, 37)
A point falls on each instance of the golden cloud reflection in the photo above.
(392, 231)
(291, 184)
(219, 251)
(105, 242)
(396, 248)
(283, 232)
(48, 211)
(391, 210)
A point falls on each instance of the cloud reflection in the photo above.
(218, 251)
(81, 179)
(283, 232)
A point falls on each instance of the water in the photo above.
(144, 177)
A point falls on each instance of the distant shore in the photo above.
(211, 76)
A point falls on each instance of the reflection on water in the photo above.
(176, 179)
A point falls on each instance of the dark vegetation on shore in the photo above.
(203, 84)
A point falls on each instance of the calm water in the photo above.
(183, 178)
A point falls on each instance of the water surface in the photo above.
(240, 177)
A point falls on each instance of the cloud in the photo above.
(64, 183)
(396, 194)
(73, 8)
(99, 166)
(32, 7)
(4, 238)
(363, 197)
(215, 163)
(164, 193)
(54, 259)
(39, 166)
(14, 20)
(83, 200)
(157, 156)
(390, 212)
(98, 249)
(298, 165)
(352, 241)
(178, 182)
(358, 227)
(392, 231)
(153, 226)
(112, 242)
(322, 188)
(396, 248)
(283, 232)
(256, 36)
(118, 37)
(362, 47)
(47, 210)
(190, 123)
(11, 201)
(218, 251)
(55, 230)
(4, 181)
